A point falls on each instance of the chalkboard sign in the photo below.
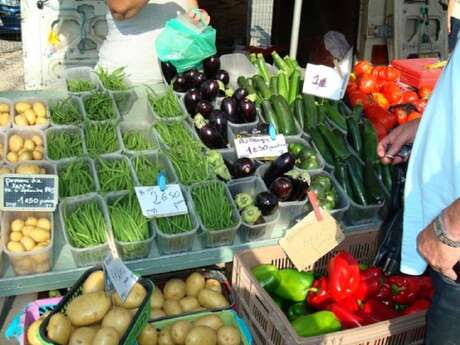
(28, 192)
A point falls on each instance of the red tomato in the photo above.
(420, 104)
(363, 67)
(380, 99)
(352, 85)
(392, 92)
(409, 97)
(366, 83)
(389, 121)
(392, 74)
(425, 92)
(402, 117)
(414, 116)
(358, 97)
(379, 72)
(379, 85)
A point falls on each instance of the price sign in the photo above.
(325, 82)
(29, 192)
(261, 146)
(119, 276)
(155, 202)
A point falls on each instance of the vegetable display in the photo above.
(114, 174)
(165, 106)
(24, 147)
(99, 106)
(4, 114)
(80, 85)
(174, 225)
(100, 138)
(114, 81)
(137, 140)
(64, 144)
(253, 209)
(75, 178)
(30, 113)
(65, 112)
(29, 234)
(146, 169)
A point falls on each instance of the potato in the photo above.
(82, 336)
(228, 335)
(59, 328)
(21, 120)
(44, 223)
(188, 303)
(27, 169)
(88, 308)
(15, 143)
(118, 318)
(21, 107)
(25, 156)
(37, 156)
(211, 321)
(28, 243)
(211, 299)
(5, 170)
(15, 236)
(32, 332)
(148, 336)
(106, 336)
(4, 119)
(135, 298)
(17, 225)
(40, 235)
(39, 109)
(37, 140)
(172, 307)
(157, 314)
(4, 107)
(31, 221)
(42, 171)
(15, 247)
(94, 283)
(165, 337)
(27, 230)
(12, 157)
(157, 299)
(194, 283)
(42, 121)
(214, 285)
(174, 289)
(201, 335)
(30, 116)
(179, 331)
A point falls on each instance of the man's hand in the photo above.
(395, 140)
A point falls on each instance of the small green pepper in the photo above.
(296, 310)
(294, 285)
(267, 276)
(318, 323)
(296, 149)
(310, 163)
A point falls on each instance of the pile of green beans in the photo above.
(100, 138)
(165, 106)
(75, 178)
(114, 81)
(190, 163)
(135, 140)
(65, 112)
(80, 85)
(146, 169)
(213, 207)
(114, 175)
(64, 144)
(128, 222)
(99, 106)
(174, 133)
(86, 226)
(174, 225)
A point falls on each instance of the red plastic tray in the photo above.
(414, 72)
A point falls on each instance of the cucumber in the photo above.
(374, 192)
(261, 87)
(246, 84)
(322, 147)
(294, 83)
(356, 113)
(387, 177)
(335, 117)
(359, 195)
(311, 112)
(299, 112)
(274, 85)
(284, 115)
(354, 136)
(370, 142)
(342, 176)
(334, 142)
(269, 114)
(321, 114)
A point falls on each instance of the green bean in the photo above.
(62, 144)
(146, 169)
(175, 225)
(166, 106)
(64, 112)
(135, 140)
(100, 138)
(174, 133)
(114, 81)
(80, 85)
(190, 163)
(99, 106)
(114, 175)
(75, 179)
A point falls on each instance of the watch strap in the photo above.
(441, 233)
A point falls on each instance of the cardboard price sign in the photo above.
(155, 202)
(261, 146)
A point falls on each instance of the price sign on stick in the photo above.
(260, 146)
(156, 202)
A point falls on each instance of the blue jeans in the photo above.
(444, 315)
(454, 29)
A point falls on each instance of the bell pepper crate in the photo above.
(74, 101)
(25, 134)
(254, 232)
(228, 317)
(93, 255)
(82, 74)
(35, 261)
(94, 146)
(91, 169)
(130, 250)
(270, 326)
(90, 117)
(72, 132)
(32, 101)
(218, 237)
(10, 113)
(210, 272)
(129, 180)
(136, 325)
(143, 132)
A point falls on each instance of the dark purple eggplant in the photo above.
(204, 108)
(211, 65)
(191, 98)
(222, 76)
(279, 167)
(190, 77)
(169, 71)
(180, 84)
(243, 167)
(198, 79)
(209, 89)
(282, 187)
(267, 203)
(300, 182)
(229, 106)
(219, 119)
(229, 167)
(247, 110)
(208, 133)
(240, 94)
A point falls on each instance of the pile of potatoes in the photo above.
(205, 330)
(196, 293)
(30, 114)
(24, 149)
(24, 169)
(4, 114)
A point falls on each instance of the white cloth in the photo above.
(131, 43)
(456, 11)
(433, 177)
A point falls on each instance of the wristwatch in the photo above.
(441, 233)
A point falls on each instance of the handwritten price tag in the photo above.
(325, 82)
(119, 277)
(261, 146)
(157, 203)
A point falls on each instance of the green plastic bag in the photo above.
(184, 47)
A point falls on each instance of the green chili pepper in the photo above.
(318, 323)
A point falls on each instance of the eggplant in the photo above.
(243, 167)
(267, 203)
(209, 89)
(180, 84)
(222, 76)
(230, 107)
(208, 133)
(198, 79)
(282, 187)
(300, 181)
(191, 98)
(169, 71)
(229, 167)
(204, 108)
(190, 76)
(279, 167)
(247, 110)
(240, 94)
(211, 65)
(219, 120)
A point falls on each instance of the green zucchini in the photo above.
(335, 117)
(283, 85)
(359, 195)
(274, 85)
(294, 84)
(374, 192)
(342, 176)
(299, 112)
(321, 146)
(354, 136)
(334, 142)
(356, 113)
(387, 177)
(321, 114)
(261, 87)
(284, 115)
(269, 114)
(246, 84)
(311, 112)
(370, 142)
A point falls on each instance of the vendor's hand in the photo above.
(204, 16)
(389, 146)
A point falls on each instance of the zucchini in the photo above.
(342, 176)
(261, 87)
(374, 192)
(262, 67)
(283, 85)
(354, 136)
(370, 142)
(269, 114)
(274, 85)
(246, 84)
(356, 113)
(359, 195)
(294, 83)
(321, 114)
(387, 177)
(299, 112)
(334, 142)
(335, 117)
(284, 115)
(311, 112)
(322, 148)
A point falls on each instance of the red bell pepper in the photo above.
(384, 292)
(349, 319)
(343, 276)
(426, 287)
(318, 295)
(404, 289)
(378, 311)
(370, 284)
(350, 303)
(418, 306)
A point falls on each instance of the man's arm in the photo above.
(125, 9)
(450, 10)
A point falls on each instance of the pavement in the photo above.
(11, 64)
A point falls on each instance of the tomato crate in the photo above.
(270, 326)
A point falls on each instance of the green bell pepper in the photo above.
(294, 285)
(318, 323)
(298, 309)
(267, 276)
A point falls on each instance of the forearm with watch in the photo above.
(447, 225)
